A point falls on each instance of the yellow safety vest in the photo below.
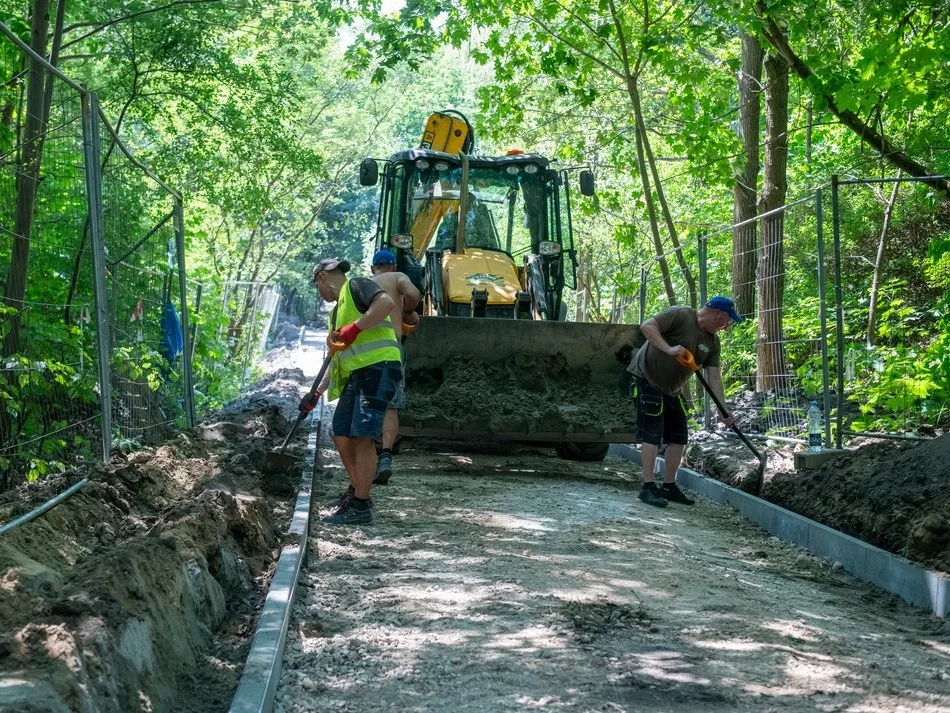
(372, 346)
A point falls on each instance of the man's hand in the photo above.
(675, 350)
(347, 335)
(728, 419)
(410, 318)
(309, 402)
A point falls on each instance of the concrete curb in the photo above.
(258, 685)
(912, 583)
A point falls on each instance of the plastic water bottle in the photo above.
(814, 427)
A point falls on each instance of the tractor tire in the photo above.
(582, 451)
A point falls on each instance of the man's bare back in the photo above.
(404, 294)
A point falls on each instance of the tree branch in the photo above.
(885, 148)
(110, 23)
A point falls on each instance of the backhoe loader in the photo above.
(488, 241)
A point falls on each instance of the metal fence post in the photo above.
(823, 315)
(839, 310)
(643, 294)
(90, 143)
(185, 330)
(702, 246)
(194, 327)
(248, 357)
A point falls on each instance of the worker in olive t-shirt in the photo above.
(659, 382)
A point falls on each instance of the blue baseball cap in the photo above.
(384, 257)
(726, 305)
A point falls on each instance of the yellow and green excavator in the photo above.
(488, 241)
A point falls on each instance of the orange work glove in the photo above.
(309, 402)
(348, 334)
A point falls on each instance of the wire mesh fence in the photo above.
(146, 339)
(894, 375)
(775, 363)
(49, 380)
(232, 323)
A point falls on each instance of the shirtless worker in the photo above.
(405, 297)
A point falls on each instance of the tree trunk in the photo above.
(651, 212)
(879, 262)
(661, 198)
(27, 177)
(771, 280)
(744, 242)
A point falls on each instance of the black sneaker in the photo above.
(350, 513)
(672, 493)
(345, 496)
(650, 494)
(384, 469)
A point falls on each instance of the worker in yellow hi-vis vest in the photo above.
(364, 375)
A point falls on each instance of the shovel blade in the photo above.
(278, 462)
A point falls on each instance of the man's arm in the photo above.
(651, 331)
(714, 379)
(379, 309)
(410, 295)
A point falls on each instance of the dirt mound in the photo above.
(893, 495)
(529, 394)
(109, 601)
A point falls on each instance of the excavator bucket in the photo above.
(523, 380)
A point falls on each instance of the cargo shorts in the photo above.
(661, 418)
(362, 406)
(398, 401)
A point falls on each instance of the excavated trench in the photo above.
(112, 601)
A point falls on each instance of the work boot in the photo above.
(650, 495)
(351, 513)
(671, 492)
(384, 468)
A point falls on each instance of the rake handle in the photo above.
(334, 347)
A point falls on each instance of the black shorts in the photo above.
(660, 418)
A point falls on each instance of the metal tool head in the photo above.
(279, 462)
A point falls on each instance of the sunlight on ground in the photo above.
(795, 630)
(941, 646)
(528, 640)
(667, 666)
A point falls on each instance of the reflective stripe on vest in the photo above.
(372, 346)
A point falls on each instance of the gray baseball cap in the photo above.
(329, 263)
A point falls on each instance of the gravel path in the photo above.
(515, 581)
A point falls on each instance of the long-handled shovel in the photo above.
(686, 359)
(278, 461)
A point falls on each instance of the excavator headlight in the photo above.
(531, 168)
(401, 240)
(513, 170)
(422, 164)
(548, 248)
(441, 166)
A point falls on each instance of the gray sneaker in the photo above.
(650, 494)
(384, 469)
(350, 513)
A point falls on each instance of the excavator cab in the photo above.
(488, 241)
(515, 237)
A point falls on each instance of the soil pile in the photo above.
(893, 495)
(109, 601)
(530, 394)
